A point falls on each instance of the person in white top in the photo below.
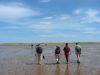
(78, 52)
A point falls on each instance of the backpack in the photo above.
(57, 50)
(78, 49)
(39, 50)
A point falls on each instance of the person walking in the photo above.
(78, 52)
(39, 51)
(57, 54)
(67, 52)
(32, 46)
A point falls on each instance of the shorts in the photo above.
(78, 54)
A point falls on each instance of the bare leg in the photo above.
(78, 58)
(39, 58)
(57, 58)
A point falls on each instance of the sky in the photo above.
(25, 21)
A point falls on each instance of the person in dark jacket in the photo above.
(39, 52)
(32, 46)
(57, 54)
(67, 52)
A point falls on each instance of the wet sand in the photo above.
(21, 60)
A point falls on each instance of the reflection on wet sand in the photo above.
(39, 70)
(78, 69)
(67, 71)
(57, 71)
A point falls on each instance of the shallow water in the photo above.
(21, 60)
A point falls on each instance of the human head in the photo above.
(66, 44)
(76, 43)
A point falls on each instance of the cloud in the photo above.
(77, 11)
(58, 35)
(15, 3)
(91, 20)
(48, 18)
(86, 12)
(64, 17)
(45, 1)
(57, 25)
(91, 31)
(39, 27)
(13, 12)
(92, 13)
(46, 22)
(87, 15)
(92, 16)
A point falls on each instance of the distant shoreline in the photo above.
(28, 44)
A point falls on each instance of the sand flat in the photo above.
(21, 60)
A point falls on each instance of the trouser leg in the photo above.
(67, 59)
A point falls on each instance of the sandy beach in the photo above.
(21, 60)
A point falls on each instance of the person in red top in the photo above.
(67, 51)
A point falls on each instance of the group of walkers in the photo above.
(66, 49)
